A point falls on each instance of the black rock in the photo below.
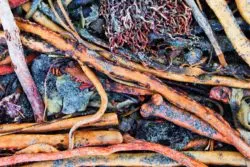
(98, 26)
(76, 3)
(165, 133)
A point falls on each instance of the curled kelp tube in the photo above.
(244, 9)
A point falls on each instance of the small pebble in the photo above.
(193, 56)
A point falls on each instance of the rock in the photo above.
(164, 133)
(98, 26)
(76, 3)
(74, 99)
(127, 124)
(193, 56)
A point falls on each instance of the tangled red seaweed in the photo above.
(129, 22)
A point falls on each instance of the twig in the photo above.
(203, 22)
(18, 60)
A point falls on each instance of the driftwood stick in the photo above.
(109, 119)
(203, 22)
(147, 159)
(18, 60)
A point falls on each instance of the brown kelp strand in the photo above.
(135, 145)
(82, 138)
(148, 159)
(179, 117)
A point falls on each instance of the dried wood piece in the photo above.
(18, 60)
(203, 22)
(109, 119)
(148, 159)
(231, 28)
(82, 138)
(105, 151)
(89, 57)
